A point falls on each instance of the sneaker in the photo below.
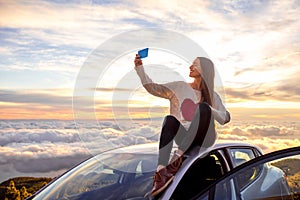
(162, 179)
(175, 163)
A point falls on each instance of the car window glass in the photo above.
(225, 191)
(106, 176)
(205, 196)
(291, 169)
(278, 179)
(139, 170)
(248, 176)
(240, 156)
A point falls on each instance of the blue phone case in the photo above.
(143, 53)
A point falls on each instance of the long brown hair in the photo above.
(207, 84)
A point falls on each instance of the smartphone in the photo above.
(143, 53)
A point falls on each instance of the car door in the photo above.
(272, 176)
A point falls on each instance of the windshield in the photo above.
(107, 175)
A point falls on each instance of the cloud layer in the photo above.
(47, 148)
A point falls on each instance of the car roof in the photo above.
(233, 144)
(152, 148)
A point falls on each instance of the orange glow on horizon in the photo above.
(23, 113)
(43, 112)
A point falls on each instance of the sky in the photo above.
(46, 45)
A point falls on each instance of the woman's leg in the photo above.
(162, 177)
(168, 132)
(198, 128)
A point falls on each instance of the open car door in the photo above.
(270, 177)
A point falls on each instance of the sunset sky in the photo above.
(46, 46)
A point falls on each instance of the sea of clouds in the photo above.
(48, 148)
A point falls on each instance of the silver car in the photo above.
(126, 173)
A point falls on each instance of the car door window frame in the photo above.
(232, 161)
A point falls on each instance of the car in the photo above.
(127, 173)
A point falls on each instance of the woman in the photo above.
(193, 106)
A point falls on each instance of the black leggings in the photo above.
(173, 130)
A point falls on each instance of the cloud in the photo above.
(112, 89)
(261, 49)
(36, 136)
(271, 131)
(285, 88)
(289, 88)
(30, 146)
(59, 103)
(45, 157)
(57, 24)
(34, 98)
(267, 134)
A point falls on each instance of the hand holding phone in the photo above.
(143, 53)
(137, 61)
